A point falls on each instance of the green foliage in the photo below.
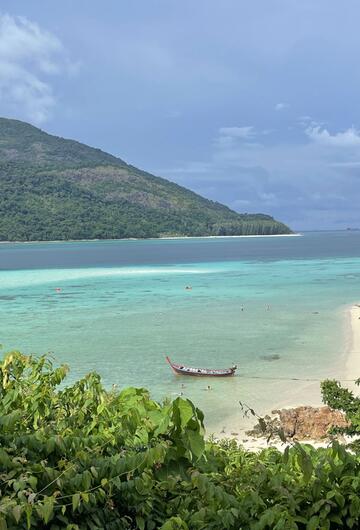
(51, 188)
(342, 399)
(80, 457)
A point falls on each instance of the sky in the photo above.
(252, 104)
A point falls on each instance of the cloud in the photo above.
(282, 106)
(230, 137)
(29, 56)
(304, 183)
(348, 138)
(238, 132)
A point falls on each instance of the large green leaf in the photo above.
(133, 462)
(185, 409)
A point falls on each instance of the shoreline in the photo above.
(350, 373)
(165, 238)
(352, 366)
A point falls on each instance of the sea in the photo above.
(274, 306)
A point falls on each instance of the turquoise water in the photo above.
(123, 306)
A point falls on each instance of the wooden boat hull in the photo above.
(180, 369)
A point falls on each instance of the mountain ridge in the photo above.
(55, 188)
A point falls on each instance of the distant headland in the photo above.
(57, 189)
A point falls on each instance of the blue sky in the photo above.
(254, 104)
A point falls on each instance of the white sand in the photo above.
(353, 347)
(296, 234)
(352, 372)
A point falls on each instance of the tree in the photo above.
(342, 399)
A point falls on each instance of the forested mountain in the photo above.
(52, 188)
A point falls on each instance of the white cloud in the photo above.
(305, 119)
(348, 138)
(29, 55)
(282, 106)
(238, 132)
(306, 183)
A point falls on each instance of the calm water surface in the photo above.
(274, 306)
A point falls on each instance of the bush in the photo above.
(81, 457)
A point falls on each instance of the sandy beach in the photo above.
(165, 238)
(353, 347)
(311, 393)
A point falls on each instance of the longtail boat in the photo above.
(181, 369)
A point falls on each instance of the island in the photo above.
(57, 189)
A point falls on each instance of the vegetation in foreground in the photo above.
(57, 189)
(81, 457)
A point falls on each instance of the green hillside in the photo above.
(52, 188)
